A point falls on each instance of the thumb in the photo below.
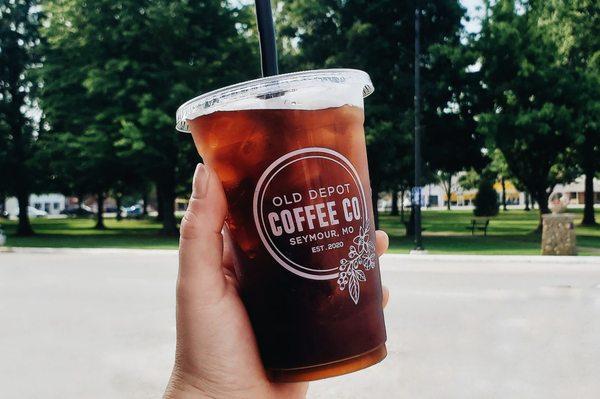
(201, 278)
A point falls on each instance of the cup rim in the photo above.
(213, 100)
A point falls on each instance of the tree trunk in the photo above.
(449, 191)
(527, 208)
(119, 203)
(159, 204)
(503, 182)
(410, 225)
(2, 204)
(394, 211)
(167, 203)
(100, 218)
(402, 205)
(374, 199)
(542, 199)
(24, 227)
(80, 201)
(145, 203)
(589, 217)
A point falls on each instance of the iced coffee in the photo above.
(290, 152)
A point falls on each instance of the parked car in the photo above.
(134, 211)
(77, 211)
(35, 213)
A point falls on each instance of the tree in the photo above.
(445, 180)
(499, 167)
(83, 125)
(453, 100)
(470, 180)
(574, 27)
(378, 37)
(398, 196)
(132, 63)
(164, 74)
(486, 200)
(531, 117)
(394, 211)
(68, 110)
(4, 183)
(19, 36)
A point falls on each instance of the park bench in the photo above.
(479, 224)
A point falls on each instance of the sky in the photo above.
(474, 25)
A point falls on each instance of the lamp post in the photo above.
(417, 190)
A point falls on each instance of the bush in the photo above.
(486, 200)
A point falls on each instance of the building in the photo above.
(435, 196)
(513, 196)
(575, 191)
(52, 203)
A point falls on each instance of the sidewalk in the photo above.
(100, 324)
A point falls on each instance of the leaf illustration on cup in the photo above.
(362, 254)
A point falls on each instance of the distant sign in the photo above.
(418, 197)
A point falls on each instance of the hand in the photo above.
(216, 354)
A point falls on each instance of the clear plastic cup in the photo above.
(290, 152)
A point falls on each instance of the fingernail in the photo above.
(200, 185)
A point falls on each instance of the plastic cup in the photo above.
(290, 152)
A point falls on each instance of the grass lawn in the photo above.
(510, 233)
(80, 233)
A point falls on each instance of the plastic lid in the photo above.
(274, 89)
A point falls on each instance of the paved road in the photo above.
(101, 325)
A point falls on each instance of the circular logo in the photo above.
(308, 207)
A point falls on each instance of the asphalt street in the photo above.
(101, 324)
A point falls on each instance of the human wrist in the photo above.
(180, 388)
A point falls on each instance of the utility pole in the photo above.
(417, 189)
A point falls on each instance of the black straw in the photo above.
(266, 34)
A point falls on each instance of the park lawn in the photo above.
(80, 233)
(510, 233)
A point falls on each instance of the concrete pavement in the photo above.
(100, 324)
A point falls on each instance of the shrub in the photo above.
(486, 200)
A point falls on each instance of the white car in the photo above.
(31, 212)
(35, 213)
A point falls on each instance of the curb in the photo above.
(538, 259)
(44, 250)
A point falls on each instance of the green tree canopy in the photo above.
(574, 28)
(531, 112)
(486, 200)
(126, 66)
(378, 37)
(19, 37)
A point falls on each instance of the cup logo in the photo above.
(311, 214)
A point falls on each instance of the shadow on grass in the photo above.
(95, 241)
(80, 233)
(510, 233)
